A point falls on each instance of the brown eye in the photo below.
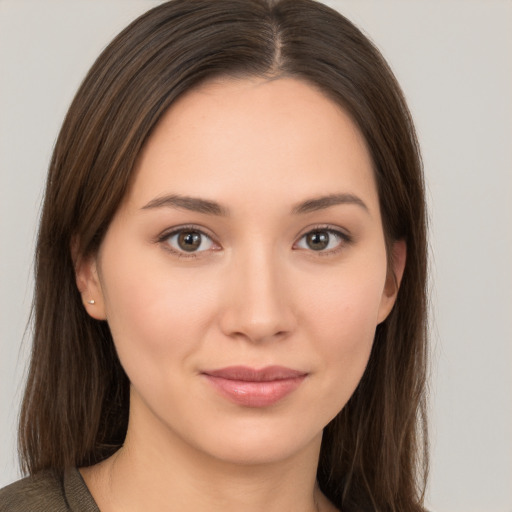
(188, 241)
(323, 240)
(317, 240)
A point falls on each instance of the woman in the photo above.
(235, 219)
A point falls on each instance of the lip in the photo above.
(251, 387)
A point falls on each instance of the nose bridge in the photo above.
(258, 305)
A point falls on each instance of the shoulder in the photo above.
(38, 493)
(47, 491)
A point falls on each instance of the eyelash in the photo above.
(344, 238)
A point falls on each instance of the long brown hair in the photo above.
(75, 408)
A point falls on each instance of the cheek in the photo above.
(343, 316)
(348, 302)
(154, 314)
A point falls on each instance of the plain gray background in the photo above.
(454, 61)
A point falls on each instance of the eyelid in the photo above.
(164, 237)
(346, 239)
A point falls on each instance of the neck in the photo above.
(161, 472)
(152, 480)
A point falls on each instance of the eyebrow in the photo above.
(205, 206)
(193, 204)
(323, 202)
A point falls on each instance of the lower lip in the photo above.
(255, 393)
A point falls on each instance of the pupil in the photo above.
(189, 240)
(318, 240)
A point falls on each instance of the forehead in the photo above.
(235, 138)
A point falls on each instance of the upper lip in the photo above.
(245, 373)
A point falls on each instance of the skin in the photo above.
(255, 294)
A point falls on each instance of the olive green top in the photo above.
(47, 492)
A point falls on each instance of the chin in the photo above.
(258, 442)
(248, 454)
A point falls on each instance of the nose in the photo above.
(257, 302)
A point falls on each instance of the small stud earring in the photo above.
(92, 301)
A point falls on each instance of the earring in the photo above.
(92, 301)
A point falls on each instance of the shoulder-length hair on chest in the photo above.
(75, 408)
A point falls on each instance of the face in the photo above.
(245, 273)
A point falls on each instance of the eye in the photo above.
(187, 241)
(323, 240)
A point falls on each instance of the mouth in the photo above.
(252, 387)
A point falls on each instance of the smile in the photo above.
(255, 388)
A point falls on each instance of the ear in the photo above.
(88, 283)
(393, 279)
